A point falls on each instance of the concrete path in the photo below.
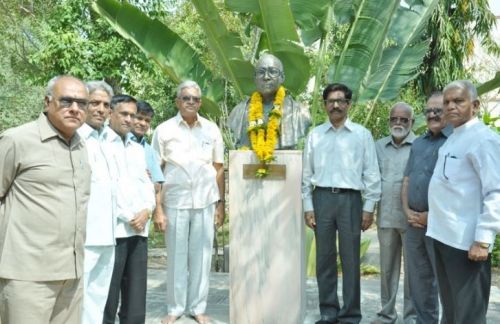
(218, 299)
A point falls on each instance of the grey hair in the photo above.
(463, 85)
(436, 93)
(403, 105)
(187, 84)
(95, 85)
(52, 82)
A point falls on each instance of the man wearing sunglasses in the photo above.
(464, 213)
(44, 190)
(192, 156)
(414, 197)
(392, 155)
(295, 121)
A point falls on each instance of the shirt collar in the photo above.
(445, 132)
(134, 138)
(47, 130)
(407, 140)
(86, 131)
(179, 120)
(464, 127)
(348, 125)
(111, 136)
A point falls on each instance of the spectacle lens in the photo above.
(189, 98)
(402, 120)
(67, 102)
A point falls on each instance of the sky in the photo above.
(495, 7)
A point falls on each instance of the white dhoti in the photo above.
(98, 269)
(189, 241)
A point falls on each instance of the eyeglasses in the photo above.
(96, 103)
(401, 120)
(436, 111)
(189, 98)
(67, 102)
(340, 102)
(272, 72)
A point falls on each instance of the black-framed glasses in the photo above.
(96, 103)
(190, 98)
(435, 111)
(340, 102)
(271, 71)
(401, 120)
(67, 102)
(446, 157)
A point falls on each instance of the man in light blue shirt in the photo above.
(141, 126)
(464, 212)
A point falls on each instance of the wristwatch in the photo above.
(484, 245)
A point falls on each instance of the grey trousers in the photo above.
(392, 241)
(423, 282)
(338, 212)
(464, 285)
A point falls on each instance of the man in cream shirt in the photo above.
(464, 207)
(192, 154)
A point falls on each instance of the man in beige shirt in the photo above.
(44, 189)
(192, 155)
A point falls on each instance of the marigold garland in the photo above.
(262, 138)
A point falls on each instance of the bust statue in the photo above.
(295, 119)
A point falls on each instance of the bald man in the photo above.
(44, 190)
(393, 152)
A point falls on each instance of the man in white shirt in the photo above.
(100, 239)
(464, 212)
(192, 154)
(134, 202)
(340, 169)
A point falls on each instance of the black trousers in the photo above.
(464, 285)
(129, 278)
(338, 212)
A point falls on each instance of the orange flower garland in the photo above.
(264, 139)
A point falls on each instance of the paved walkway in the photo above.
(218, 299)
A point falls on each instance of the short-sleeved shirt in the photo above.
(392, 161)
(152, 159)
(188, 154)
(44, 190)
(420, 166)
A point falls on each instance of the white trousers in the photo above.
(98, 269)
(189, 242)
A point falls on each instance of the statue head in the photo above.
(269, 75)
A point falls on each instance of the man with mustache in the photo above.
(418, 247)
(101, 218)
(392, 154)
(44, 190)
(339, 170)
(134, 202)
(464, 213)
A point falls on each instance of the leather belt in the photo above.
(336, 190)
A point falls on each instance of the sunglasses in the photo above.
(189, 98)
(436, 111)
(401, 120)
(67, 102)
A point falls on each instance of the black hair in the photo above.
(337, 87)
(145, 108)
(121, 98)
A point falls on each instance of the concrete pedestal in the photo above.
(267, 251)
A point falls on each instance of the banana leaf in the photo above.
(174, 56)
(310, 16)
(363, 43)
(280, 37)
(226, 47)
(399, 62)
